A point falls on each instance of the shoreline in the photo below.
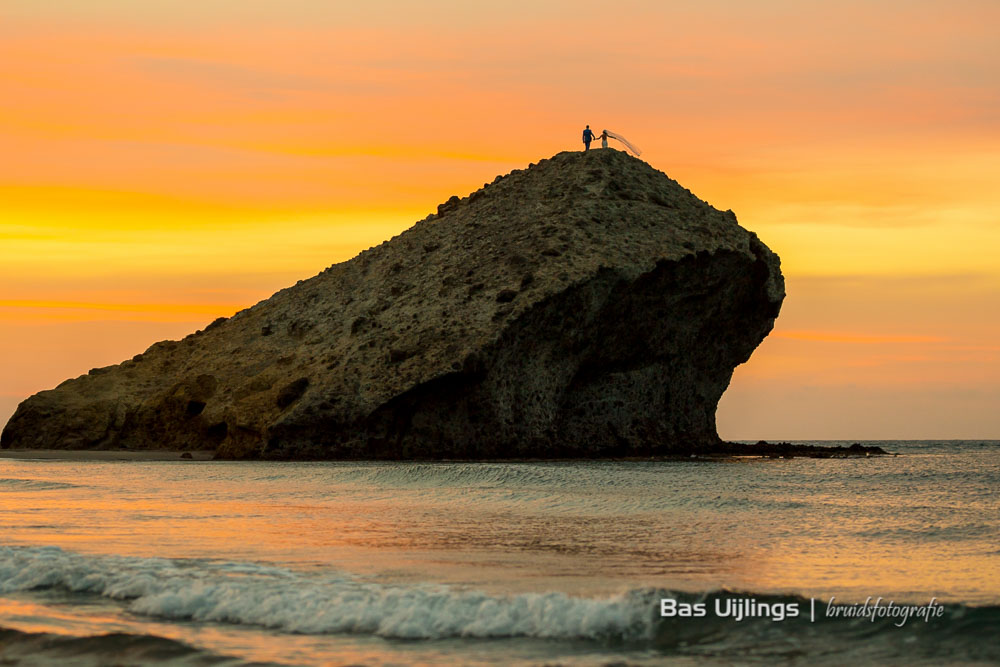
(104, 455)
(728, 451)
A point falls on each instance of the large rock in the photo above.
(585, 306)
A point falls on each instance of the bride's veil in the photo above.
(625, 142)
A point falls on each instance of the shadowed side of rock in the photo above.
(610, 367)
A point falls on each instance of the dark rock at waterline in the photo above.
(789, 450)
(588, 306)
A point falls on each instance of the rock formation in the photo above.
(585, 306)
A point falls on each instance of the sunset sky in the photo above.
(166, 162)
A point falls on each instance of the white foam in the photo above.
(294, 602)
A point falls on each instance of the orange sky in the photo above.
(169, 162)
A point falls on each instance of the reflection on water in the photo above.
(494, 563)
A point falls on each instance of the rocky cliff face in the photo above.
(585, 306)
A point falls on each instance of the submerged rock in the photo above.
(586, 306)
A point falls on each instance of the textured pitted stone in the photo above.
(586, 306)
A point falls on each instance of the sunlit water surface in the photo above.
(404, 563)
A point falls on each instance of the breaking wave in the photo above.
(287, 601)
(284, 600)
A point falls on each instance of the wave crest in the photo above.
(287, 601)
(284, 600)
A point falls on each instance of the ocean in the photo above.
(496, 563)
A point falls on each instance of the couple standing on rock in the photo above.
(588, 136)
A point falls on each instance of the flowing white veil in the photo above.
(625, 142)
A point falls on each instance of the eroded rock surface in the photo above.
(585, 306)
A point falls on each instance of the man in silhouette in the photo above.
(588, 136)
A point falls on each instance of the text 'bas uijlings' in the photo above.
(735, 608)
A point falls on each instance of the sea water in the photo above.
(197, 563)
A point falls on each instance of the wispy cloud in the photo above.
(230, 75)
